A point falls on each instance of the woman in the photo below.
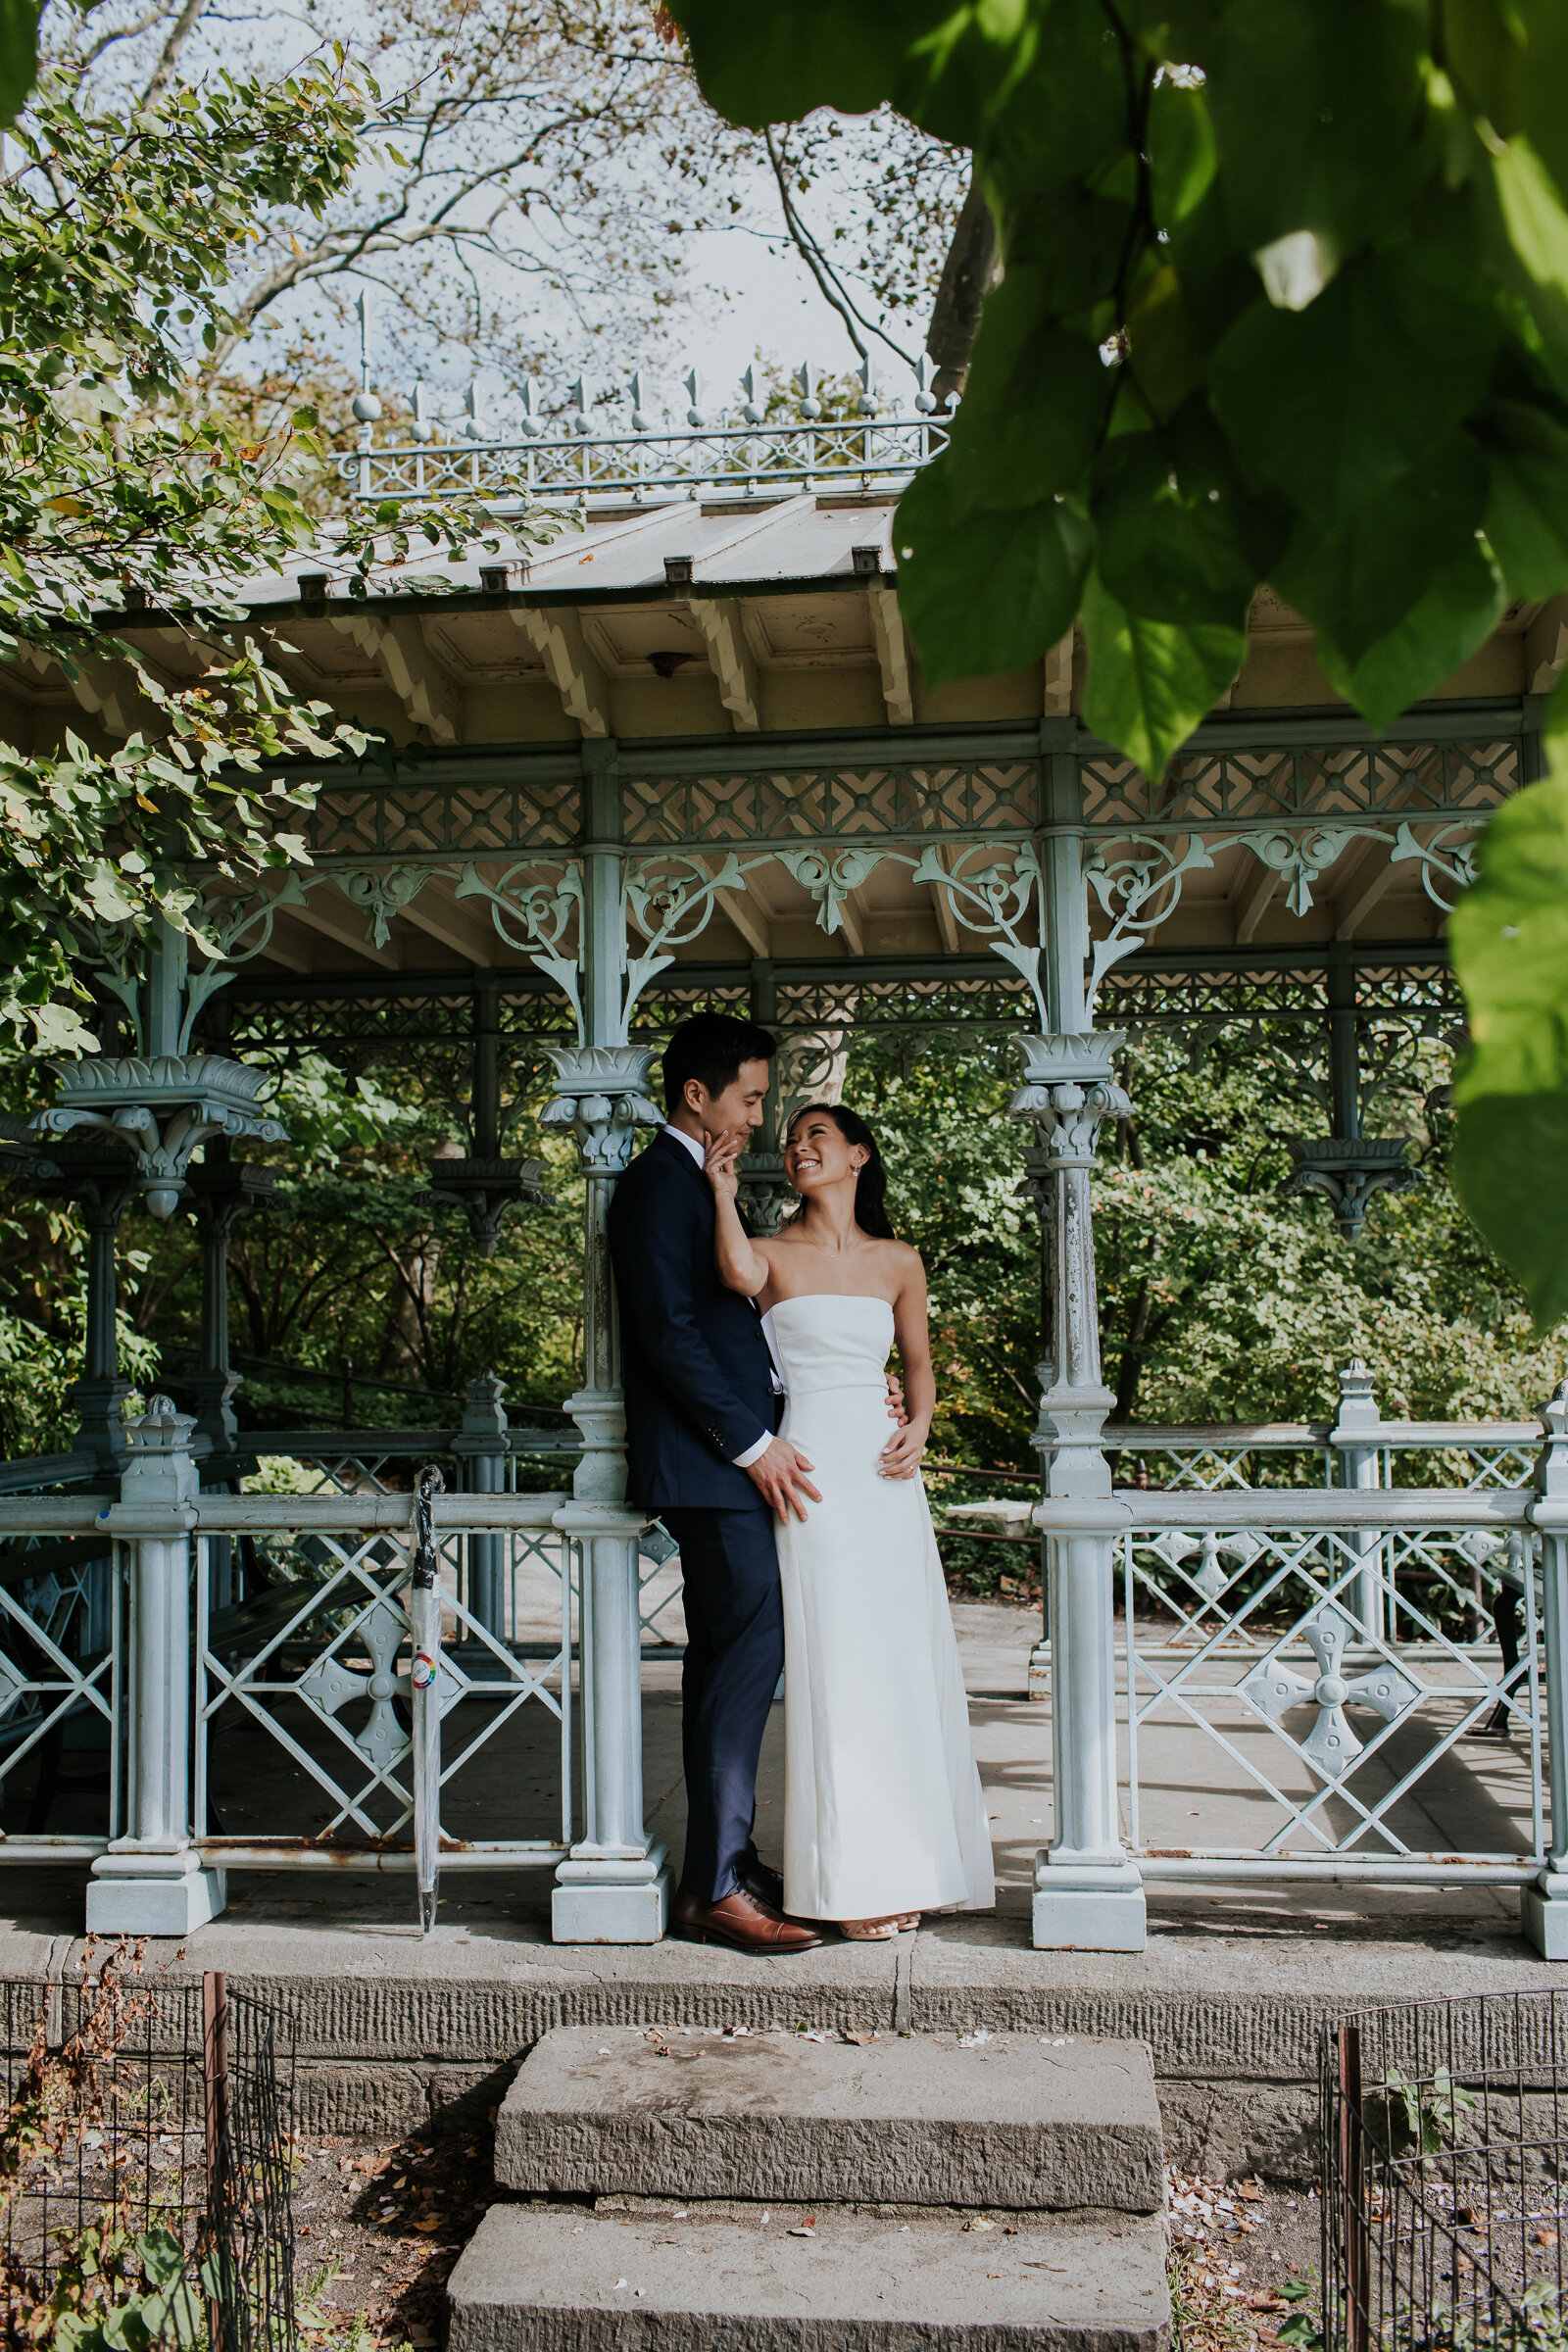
(884, 1816)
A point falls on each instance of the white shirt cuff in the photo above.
(753, 1453)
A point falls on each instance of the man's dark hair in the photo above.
(710, 1048)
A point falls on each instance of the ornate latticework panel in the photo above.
(275, 1027)
(1140, 992)
(675, 997)
(1426, 987)
(992, 1000)
(831, 802)
(534, 805)
(1133, 994)
(1265, 787)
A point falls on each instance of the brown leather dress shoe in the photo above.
(742, 1922)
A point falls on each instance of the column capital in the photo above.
(1552, 1467)
(158, 1468)
(602, 1096)
(1070, 1089)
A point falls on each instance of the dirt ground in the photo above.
(379, 2229)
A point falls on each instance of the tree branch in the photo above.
(163, 72)
(827, 279)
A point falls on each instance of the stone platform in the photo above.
(1230, 1996)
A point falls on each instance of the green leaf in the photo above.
(1335, 402)
(1509, 940)
(1451, 621)
(1531, 244)
(773, 67)
(1526, 513)
(1510, 59)
(1316, 107)
(1035, 407)
(1359, 582)
(1075, 243)
(161, 2255)
(988, 590)
(1151, 683)
(18, 55)
(1170, 546)
(1181, 151)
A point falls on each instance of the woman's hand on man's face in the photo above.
(718, 1160)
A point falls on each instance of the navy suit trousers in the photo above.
(734, 1657)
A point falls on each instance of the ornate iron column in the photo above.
(1348, 1167)
(221, 1189)
(1544, 1907)
(1088, 1892)
(480, 1182)
(151, 1882)
(482, 1447)
(764, 1193)
(615, 1885)
(102, 1184)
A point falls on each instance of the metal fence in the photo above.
(1330, 1651)
(1444, 2173)
(302, 1718)
(145, 2181)
(512, 1583)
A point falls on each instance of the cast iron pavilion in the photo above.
(683, 755)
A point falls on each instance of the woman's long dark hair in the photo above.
(871, 1185)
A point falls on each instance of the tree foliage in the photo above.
(1511, 945)
(123, 493)
(541, 199)
(1284, 296)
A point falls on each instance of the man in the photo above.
(702, 1413)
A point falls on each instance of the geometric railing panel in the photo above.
(303, 1736)
(59, 1659)
(803, 804)
(1336, 1680)
(537, 804)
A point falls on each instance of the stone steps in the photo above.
(731, 2192)
(1011, 2120)
(705, 2278)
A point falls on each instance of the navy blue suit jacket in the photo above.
(695, 1365)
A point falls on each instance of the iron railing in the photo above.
(1322, 1645)
(730, 460)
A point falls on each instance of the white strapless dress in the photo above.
(883, 1810)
